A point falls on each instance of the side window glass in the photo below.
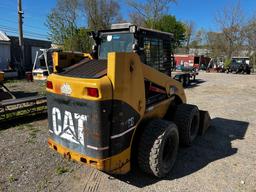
(155, 54)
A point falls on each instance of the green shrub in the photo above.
(227, 63)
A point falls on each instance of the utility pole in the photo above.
(21, 43)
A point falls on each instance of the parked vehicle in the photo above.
(185, 74)
(190, 60)
(240, 65)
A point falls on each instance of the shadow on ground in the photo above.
(214, 145)
(195, 83)
(22, 120)
(22, 94)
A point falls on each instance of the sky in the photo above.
(201, 12)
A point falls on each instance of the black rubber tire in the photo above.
(187, 82)
(158, 147)
(187, 120)
(181, 79)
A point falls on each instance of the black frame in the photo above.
(161, 59)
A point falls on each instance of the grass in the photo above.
(11, 81)
(61, 169)
(20, 128)
(32, 128)
(42, 184)
(12, 179)
(30, 140)
(32, 133)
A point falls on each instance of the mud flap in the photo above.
(205, 120)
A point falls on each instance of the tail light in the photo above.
(49, 85)
(93, 92)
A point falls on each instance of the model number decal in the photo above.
(130, 122)
(65, 127)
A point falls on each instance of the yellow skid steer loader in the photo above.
(120, 104)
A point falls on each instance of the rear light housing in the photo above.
(92, 92)
(49, 85)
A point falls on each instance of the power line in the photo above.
(11, 28)
(14, 33)
(7, 7)
(26, 34)
(27, 26)
(15, 29)
(10, 3)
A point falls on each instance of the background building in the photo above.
(10, 51)
(30, 48)
(5, 51)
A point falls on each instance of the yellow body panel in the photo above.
(110, 165)
(66, 59)
(158, 110)
(79, 85)
(164, 81)
(125, 72)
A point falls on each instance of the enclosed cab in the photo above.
(106, 108)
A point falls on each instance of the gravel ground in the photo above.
(224, 159)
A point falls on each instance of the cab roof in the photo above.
(125, 27)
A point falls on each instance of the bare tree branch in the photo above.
(150, 10)
(189, 27)
(101, 13)
(231, 22)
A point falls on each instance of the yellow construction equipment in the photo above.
(64, 59)
(121, 104)
(54, 60)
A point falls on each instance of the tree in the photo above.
(101, 13)
(199, 40)
(79, 41)
(250, 35)
(63, 25)
(216, 43)
(168, 23)
(137, 19)
(250, 40)
(150, 11)
(61, 21)
(189, 30)
(152, 14)
(230, 21)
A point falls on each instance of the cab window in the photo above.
(120, 42)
